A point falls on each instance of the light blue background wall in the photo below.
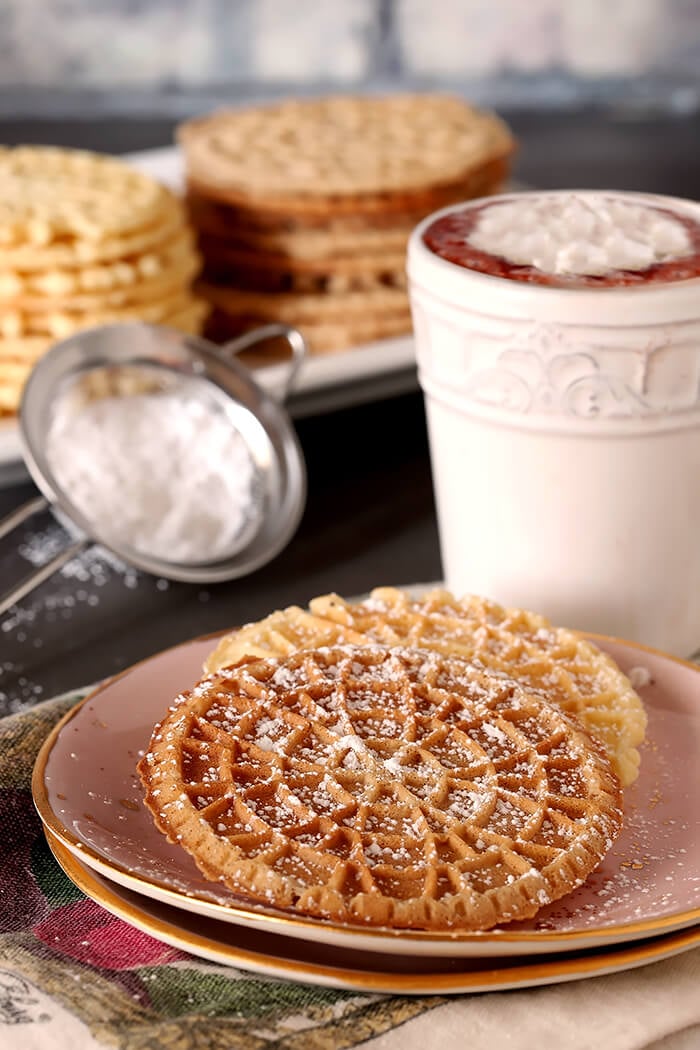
(178, 55)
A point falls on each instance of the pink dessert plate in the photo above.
(301, 959)
(89, 797)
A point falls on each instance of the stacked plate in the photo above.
(641, 905)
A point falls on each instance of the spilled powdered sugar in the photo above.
(62, 604)
(639, 677)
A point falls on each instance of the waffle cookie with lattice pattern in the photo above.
(305, 206)
(85, 240)
(393, 787)
(558, 664)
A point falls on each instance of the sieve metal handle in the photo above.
(294, 338)
(25, 586)
(16, 517)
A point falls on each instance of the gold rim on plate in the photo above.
(292, 925)
(179, 930)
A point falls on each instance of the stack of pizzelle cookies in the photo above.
(406, 762)
(85, 240)
(304, 208)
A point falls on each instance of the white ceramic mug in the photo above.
(564, 428)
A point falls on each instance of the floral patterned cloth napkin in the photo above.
(73, 977)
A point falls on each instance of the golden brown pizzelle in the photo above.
(310, 307)
(393, 787)
(331, 319)
(236, 222)
(272, 267)
(348, 211)
(557, 664)
(302, 152)
(319, 196)
(303, 238)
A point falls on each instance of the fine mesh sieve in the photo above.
(133, 360)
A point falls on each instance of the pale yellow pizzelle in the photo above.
(555, 663)
(58, 322)
(19, 355)
(385, 787)
(188, 317)
(85, 240)
(51, 196)
(84, 251)
(140, 276)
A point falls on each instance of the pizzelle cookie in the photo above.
(295, 240)
(318, 197)
(175, 261)
(85, 240)
(84, 251)
(71, 199)
(19, 355)
(309, 307)
(552, 662)
(387, 787)
(303, 152)
(59, 323)
(270, 272)
(331, 319)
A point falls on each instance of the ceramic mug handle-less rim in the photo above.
(293, 337)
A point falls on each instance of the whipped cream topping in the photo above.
(579, 235)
